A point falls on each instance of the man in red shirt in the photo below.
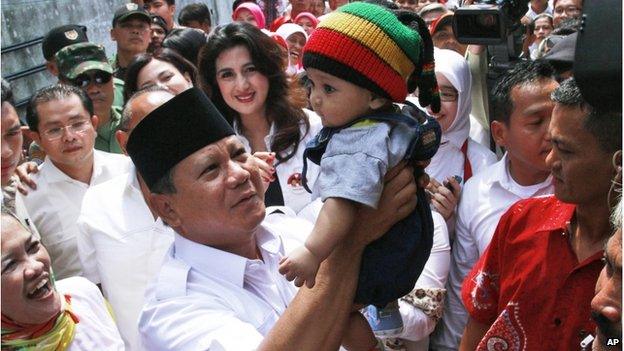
(532, 288)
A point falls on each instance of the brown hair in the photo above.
(285, 99)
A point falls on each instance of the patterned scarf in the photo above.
(54, 335)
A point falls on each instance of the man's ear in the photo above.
(52, 68)
(95, 120)
(499, 133)
(112, 34)
(161, 204)
(377, 102)
(122, 140)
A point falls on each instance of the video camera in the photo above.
(495, 23)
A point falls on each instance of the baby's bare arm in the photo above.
(334, 222)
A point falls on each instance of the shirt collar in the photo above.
(499, 173)
(558, 216)
(223, 264)
(267, 139)
(54, 175)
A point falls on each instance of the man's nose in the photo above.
(237, 174)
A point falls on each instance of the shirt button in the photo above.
(557, 321)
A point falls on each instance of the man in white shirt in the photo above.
(62, 122)
(118, 230)
(219, 287)
(522, 109)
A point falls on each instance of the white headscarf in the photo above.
(288, 29)
(449, 160)
(455, 68)
(284, 31)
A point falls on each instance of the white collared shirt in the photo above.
(484, 199)
(204, 298)
(55, 207)
(95, 329)
(295, 196)
(121, 247)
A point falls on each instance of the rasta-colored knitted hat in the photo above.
(369, 46)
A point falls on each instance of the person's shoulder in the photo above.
(543, 202)
(77, 286)
(105, 198)
(171, 281)
(488, 174)
(531, 213)
(118, 83)
(480, 152)
(121, 163)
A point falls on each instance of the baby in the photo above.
(360, 60)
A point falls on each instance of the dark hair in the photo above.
(523, 73)
(186, 42)
(162, 54)
(194, 12)
(606, 127)
(169, 2)
(238, 2)
(7, 92)
(567, 26)
(54, 93)
(285, 98)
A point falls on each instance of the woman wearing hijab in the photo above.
(296, 38)
(250, 13)
(39, 313)
(458, 155)
(307, 21)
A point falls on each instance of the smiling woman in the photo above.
(40, 313)
(244, 70)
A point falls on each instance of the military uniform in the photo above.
(118, 71)
(77, 59)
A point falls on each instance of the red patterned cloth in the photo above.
(529, 285)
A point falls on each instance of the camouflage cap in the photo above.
(76, 59)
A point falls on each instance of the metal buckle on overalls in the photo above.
(323, 136)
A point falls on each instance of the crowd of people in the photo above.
(337, 177)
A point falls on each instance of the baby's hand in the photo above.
(301, 265)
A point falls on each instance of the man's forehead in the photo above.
(9, 115)
(72, 108)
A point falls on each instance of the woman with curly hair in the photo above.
(243, 71)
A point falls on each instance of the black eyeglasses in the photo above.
(98, 78)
